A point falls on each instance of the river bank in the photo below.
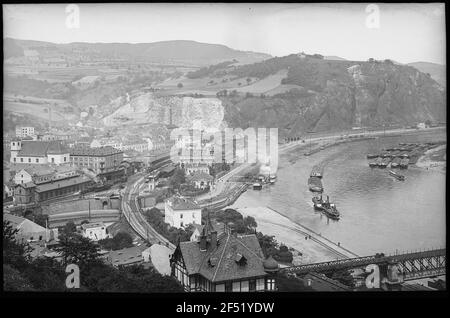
(434, 159)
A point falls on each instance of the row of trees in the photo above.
(21, 272)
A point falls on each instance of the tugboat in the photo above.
(397, 176)
(330, 210)
(318, 203)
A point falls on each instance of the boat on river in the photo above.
(395, 163)
(404, 163)
(317, 171)
(315, 184)
(397, 176)
(257, 186)
(330, 210)
(318, 203)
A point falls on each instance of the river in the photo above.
(378, 212)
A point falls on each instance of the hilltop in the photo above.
(179, 51)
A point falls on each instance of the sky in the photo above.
(402, 32)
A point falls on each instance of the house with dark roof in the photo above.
(223, 263)
(179, 212)
(39, 152)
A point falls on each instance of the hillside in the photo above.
(333, 94)
(436, 71)
(189, 52)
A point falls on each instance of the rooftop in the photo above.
(92, 225)
(181, 203)
(37, 148)
(220, 263)
(126, 256)
(199, 176)
(62, 183)
(94, 152)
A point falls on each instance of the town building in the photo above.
(198, 229)
(99, 160)
(190, 168)
(94, 231)
(31, 193)
(223, 263)
(29, 231)
(180, 212)
(39, 152)
(200, 180)
(44, 173)
(24, 131)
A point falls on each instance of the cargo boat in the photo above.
(372, 156)
(404, 163)
(397, 176)
(317, 171)
(384, 163)
(395, 163)
(315, 184)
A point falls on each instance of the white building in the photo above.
(180, 212)
(421, 126)
(95, 231)
(22, 131)
(39, 152)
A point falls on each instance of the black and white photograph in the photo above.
(179, 148)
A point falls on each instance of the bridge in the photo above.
(414, 265)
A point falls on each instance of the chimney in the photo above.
(213, 240)
(203, 241)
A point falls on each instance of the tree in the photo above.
(248, 80)
(76, 249)
(177, 179)
(69, 228)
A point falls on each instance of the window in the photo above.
(37, 160)
(252, 285)
(21, 159)
(181, 215)
(53, 160)
(14, 159)
(228, 287)
(29, 160)
(270, 284)
(64, 159)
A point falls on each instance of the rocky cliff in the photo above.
(179, 111)
(339, 94)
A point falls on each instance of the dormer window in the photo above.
(213, 261)
(240, 260)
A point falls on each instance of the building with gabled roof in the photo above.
(28, 230)
(223, 263)
(179, 212)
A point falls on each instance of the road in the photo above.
(132, 213)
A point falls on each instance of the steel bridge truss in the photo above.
(413, 265)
